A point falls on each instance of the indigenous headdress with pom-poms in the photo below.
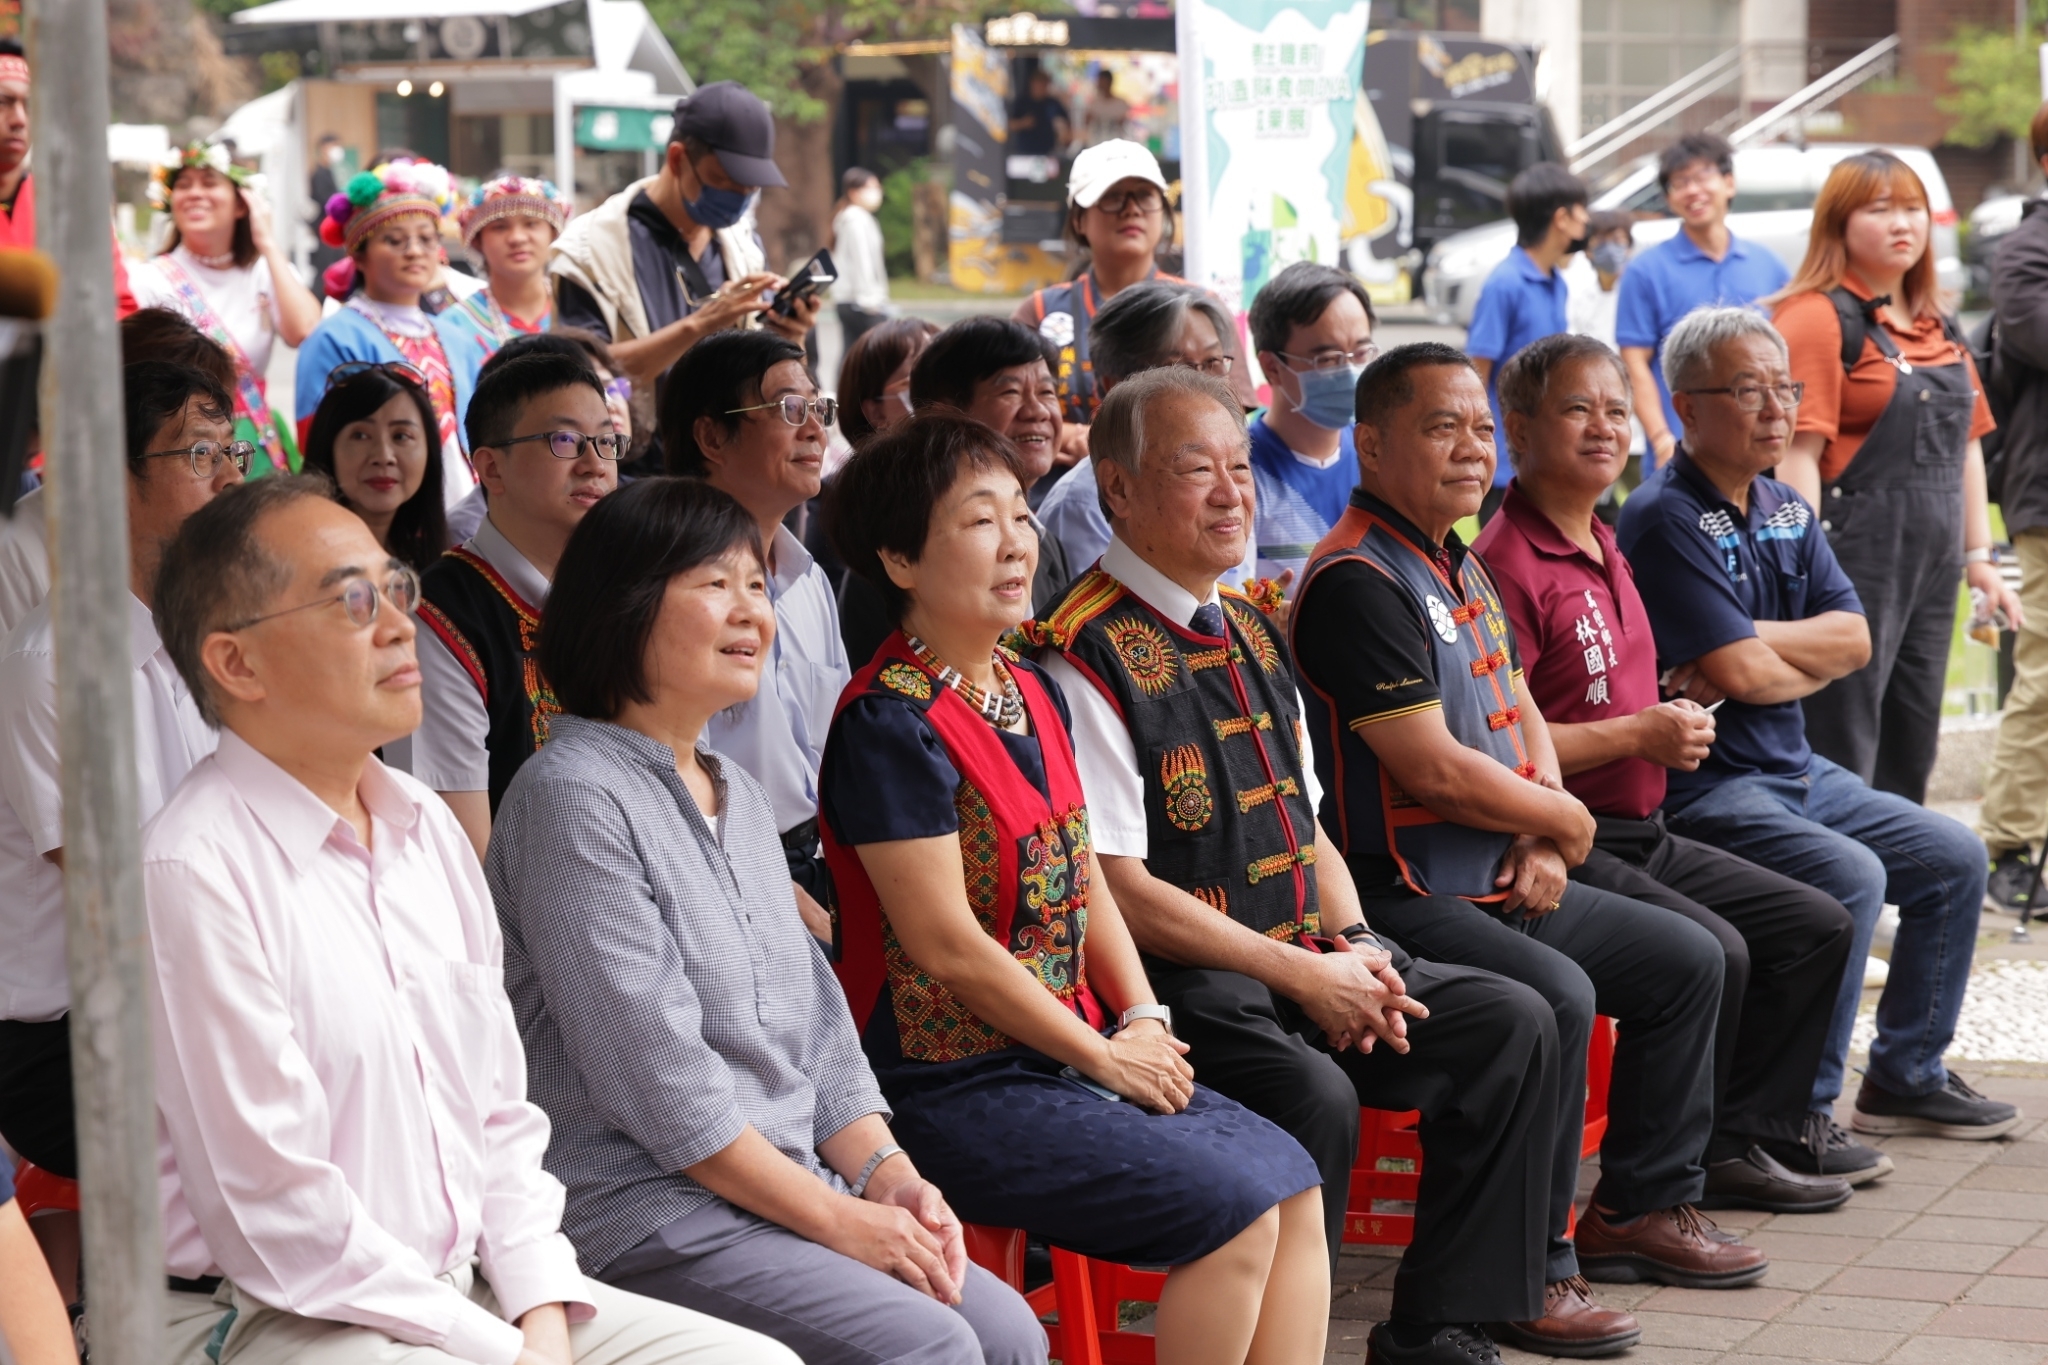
(195, 155)
(374, 197)
(513, 196)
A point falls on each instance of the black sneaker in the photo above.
(1825, 1148)
(1954, 1111)
(2011, 882)
(1450, 1344)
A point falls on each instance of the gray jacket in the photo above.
(2019, 298)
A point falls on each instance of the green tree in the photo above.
(1995, 80)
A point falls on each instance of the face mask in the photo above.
(716, 208)
(1328, 397)
(1609, 258)
(870, 198)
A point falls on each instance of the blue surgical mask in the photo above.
(716, 208)
(1609, 258)
(1328, 397)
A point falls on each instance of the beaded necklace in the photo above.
(1004, 710)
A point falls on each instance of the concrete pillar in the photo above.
(1552, 26)
(1774, 52)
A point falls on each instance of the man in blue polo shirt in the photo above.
(1705, 264)
(1526, 298)
(1748, 604)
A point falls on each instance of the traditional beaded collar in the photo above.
(1004, 710)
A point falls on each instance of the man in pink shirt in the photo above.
(351, 1170)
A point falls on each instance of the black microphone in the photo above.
(28, 295)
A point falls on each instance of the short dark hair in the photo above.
(155, 391)
(502, 392)
(611, 581)
(1388, 384)
(419, 528)
(883, 497)
(1692, 149)
(968, 352)
(1603, 221)
(11, 47)
(1526, 376)
(160, 334)
(1535, 196)
(1296, 297)
(869, 362)
(1139, 328)
(533, 343)
(856, 177)
(216, 573)
(722, 372)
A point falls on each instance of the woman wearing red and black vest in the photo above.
(1000, 999)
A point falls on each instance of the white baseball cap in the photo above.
(1102, 165)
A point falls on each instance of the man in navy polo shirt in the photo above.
(1749, 605)
(1526, 296)
(1705, 264)
(1592, 669)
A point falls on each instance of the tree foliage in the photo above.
(1994, 79)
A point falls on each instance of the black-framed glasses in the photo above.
(1750, 397)
(205, 456)
(397, 369)
(359, 599)
(1145, 198)
(1216, 366)
(1332, 359)
(568, 445)
(795, 408)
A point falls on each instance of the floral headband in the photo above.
(195, 156)
(374, 197)
(513, 196)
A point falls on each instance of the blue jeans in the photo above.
(1865, 847)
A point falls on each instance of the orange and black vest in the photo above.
(491, 630)
(1024, 854)
(1471, 655)
(1218, 742)
(1071, 307)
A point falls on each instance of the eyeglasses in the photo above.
(1750, 397)
(795, 408)
(1331, 359)
(1216, 366)
(568, 445)
(397, 369)
(619, 387)
(205, 456)
(1146, 199)
(360, 600)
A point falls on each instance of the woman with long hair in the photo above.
(373, 435)
(1886, 448)
(874, 378)
(222, 267)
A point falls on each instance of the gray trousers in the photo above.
(828, 1308)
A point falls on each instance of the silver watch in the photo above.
(1162, 1013)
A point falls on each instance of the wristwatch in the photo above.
(1358, 934)
(1163, 1013)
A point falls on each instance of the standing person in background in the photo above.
(2015, 810)
(1039, 125)
(1525, 297)
(17, 184)
(672, 259)
(511, 221)
(1108, 118)
(1885, 447)
(321, 186)
(389, 221)
(874, 376)
(861, 293)
(1592, 278)
(1704, 265)
(1313, 327)
(222, 267)
(373, 435)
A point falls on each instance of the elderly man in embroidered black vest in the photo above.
(1445, 798)
(1187, 732)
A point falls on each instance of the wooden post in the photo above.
(88, 487)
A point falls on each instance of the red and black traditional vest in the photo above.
(491, 630)
(1218, 742)
(1025, 860)
(1470, 655)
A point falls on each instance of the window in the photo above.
(1631, 49)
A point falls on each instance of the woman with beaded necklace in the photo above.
(510, 222)
(222, 268)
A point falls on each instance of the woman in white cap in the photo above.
(510, 222)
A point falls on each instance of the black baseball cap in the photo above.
(732, 121)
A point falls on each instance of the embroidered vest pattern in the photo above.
(492, 631)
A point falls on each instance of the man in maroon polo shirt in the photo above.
(1591, 667)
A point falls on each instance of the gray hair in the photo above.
(1118, 433)
(1140, 327)
(1688, 354)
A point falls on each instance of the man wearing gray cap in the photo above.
(641, 271)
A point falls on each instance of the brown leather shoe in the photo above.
(1677, 1246)
(1572, 1324)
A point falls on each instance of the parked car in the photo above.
(1989, 222)
(1775, 187)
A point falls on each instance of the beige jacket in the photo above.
(596, 252)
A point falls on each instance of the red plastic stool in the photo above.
(1085, 1295)
(37, 1191)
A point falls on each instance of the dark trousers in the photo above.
(1483, 1069)
(35, 1093)
(1659, 977)
(1784, 945)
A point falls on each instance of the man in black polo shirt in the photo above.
(1442, 791)
(641, 271)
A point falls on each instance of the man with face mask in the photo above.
(1312, 326)
(671, 259)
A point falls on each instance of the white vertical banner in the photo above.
(1267, 89)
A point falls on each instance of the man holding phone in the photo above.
(671, 259)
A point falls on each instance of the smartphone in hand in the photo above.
(815, 275)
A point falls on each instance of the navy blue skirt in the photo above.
(1013, 1144)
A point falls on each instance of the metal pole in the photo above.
(88, 482)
